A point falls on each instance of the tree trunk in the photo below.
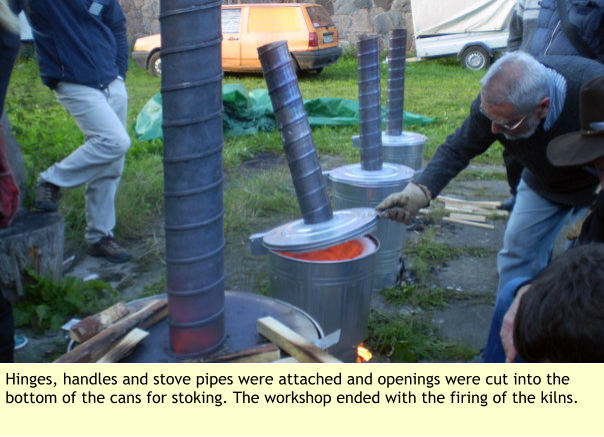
(34, 241)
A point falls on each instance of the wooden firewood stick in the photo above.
(292, 342)
(124, 347)
(469, 217)
(93, 349)
(469, 223)
(486, 204)
(264, 353)
(286, 360)
(474, 210)
(92, 325)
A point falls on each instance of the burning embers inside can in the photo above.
(341, 252)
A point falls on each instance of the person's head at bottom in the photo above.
(561, 318)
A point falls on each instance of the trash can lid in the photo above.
(391, 174)
(345, 225)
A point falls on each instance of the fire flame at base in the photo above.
(363, 354)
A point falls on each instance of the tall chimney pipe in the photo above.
(296, 134)
(191, 87)
(396, 82)
(370, 107)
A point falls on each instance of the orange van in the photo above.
(311, 37)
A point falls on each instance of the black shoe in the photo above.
(107, 248)
(46, 196)
(508, 204)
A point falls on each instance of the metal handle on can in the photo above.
(256, 243)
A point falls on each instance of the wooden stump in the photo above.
(35, 241)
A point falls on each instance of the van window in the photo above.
(272, 20)
(230, 20)
(319, 16)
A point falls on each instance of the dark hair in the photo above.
(561, 317)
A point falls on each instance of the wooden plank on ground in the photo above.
(286, 360)
(92, 325)
(469, 223)
(93, 349)
(481, 211)
(485, 204)
(469, 217)
(292, 342)
(124, 347)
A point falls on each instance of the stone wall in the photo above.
(352, 17)
(358, 17)
(141, 18)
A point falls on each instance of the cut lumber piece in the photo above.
(466, 209)
(469, 217)
(485, 212)
(264, 353)
(485, 204)
(155, 318)
(93, 349)
(92, 325)
(124, 347)
(292, 342)
(469, 223)
(286, 360)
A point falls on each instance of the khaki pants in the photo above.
(101, 116)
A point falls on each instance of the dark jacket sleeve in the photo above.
(116, 21)
(471, 139)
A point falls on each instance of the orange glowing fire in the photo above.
(363, 354)
(339, 252)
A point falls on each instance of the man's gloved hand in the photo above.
(403, 206)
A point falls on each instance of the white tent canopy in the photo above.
(433, 17)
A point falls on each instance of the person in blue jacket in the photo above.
(82, 51)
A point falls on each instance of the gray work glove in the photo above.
(404, 205)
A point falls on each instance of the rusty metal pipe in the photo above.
(191, 87)
(296, 134)
(370, 107)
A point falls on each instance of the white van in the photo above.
(471, 29)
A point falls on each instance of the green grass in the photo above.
(429, 253)
(47, 305)
(418, 295)
(258, 197)
(410, 339)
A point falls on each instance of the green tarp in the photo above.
(248, 113)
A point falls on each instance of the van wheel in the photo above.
(297, 69)
(154, 65)
(316, 70)
(475, 58)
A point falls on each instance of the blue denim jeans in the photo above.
(493, 352)
(530, 234)
(528, 242)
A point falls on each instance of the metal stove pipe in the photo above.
(370, 108)
(396, 82)
(191, 87)
(296, 134)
